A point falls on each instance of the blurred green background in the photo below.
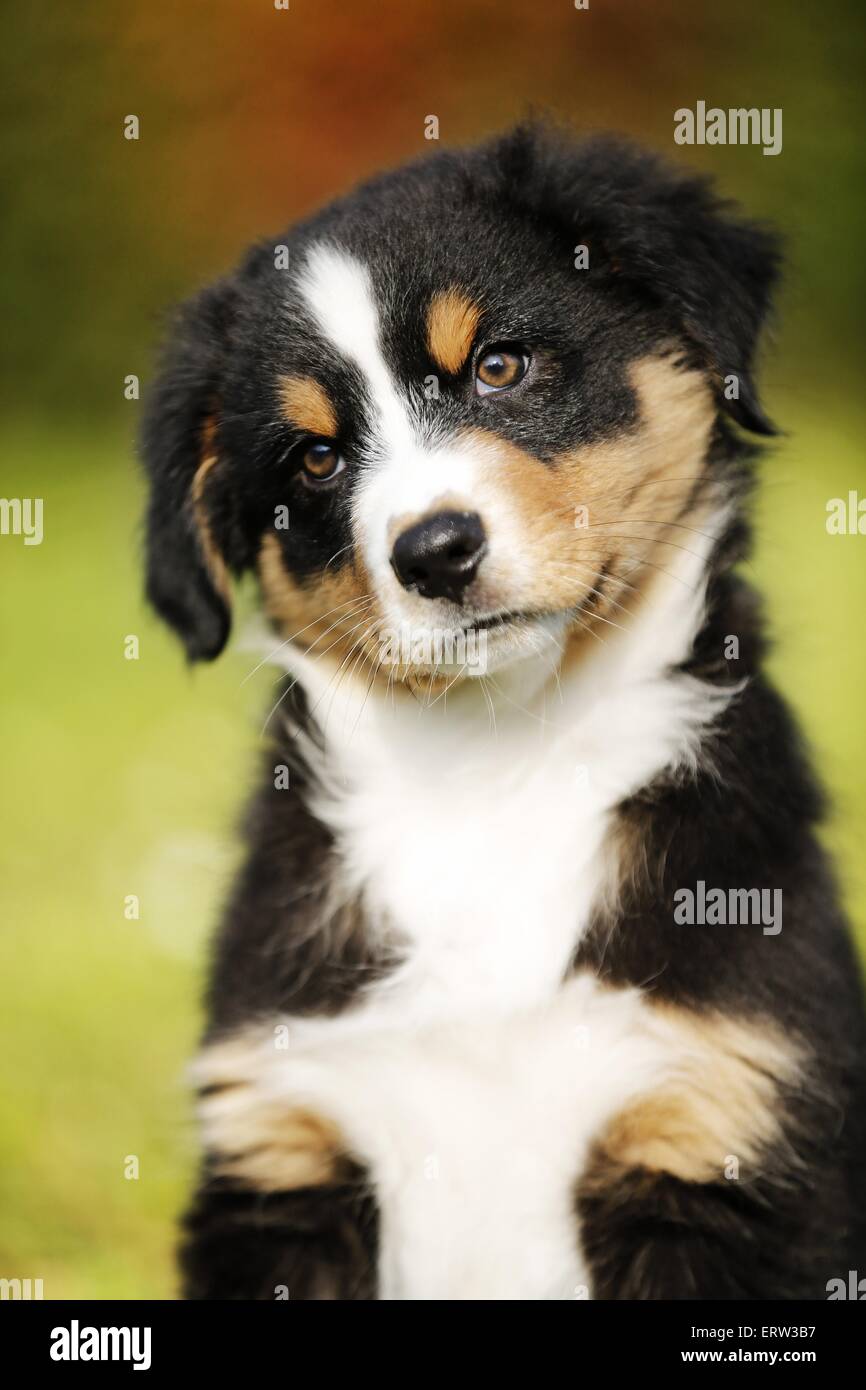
(126, 777)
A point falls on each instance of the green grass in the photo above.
(120, 777)
(125, 777)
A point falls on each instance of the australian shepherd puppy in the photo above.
(535, 983)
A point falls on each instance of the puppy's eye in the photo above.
(321, 462)
(500, 367)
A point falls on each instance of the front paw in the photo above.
(260, 1138)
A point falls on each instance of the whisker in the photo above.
(341, 672)
(653, 540)
(340, 552)
(265, 659)
(653, 521)
(489, 699)
(448, 685)
(373, 674)
(649, 482)
(566, 567)
(290, 688)
(359, 612)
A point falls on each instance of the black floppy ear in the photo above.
(667, 232)
(189, 512)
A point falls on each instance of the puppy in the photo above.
(534, 984)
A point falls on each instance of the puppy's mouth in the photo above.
(493, 622)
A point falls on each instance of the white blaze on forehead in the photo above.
(339, 294)
(403, 476)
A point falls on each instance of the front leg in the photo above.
(312, 1243)
(462, 1141)
(282, 1210)
(719, 1183)
(472, 1133)
(650, 1235)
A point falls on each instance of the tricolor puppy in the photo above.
(481, 442)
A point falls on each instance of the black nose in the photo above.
(440, 556)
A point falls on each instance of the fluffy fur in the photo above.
(459, 1045)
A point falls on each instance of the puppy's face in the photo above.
(487, 444)
(445, 435)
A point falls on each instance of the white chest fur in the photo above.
(482, 851)
(473, 1078)
(475, 827)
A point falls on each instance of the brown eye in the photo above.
(500, 367)
(322, 462)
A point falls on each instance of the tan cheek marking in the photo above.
(329, 614)
(452, 322)
(213, 559)
(669, 438)
(628, 489)
(307, 406)
(287, 599)
(336, 619)
(722, 1102)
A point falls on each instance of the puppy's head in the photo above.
(475, 397)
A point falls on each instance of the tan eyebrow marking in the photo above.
(307, 406)
(213, 559)
(452, 322)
